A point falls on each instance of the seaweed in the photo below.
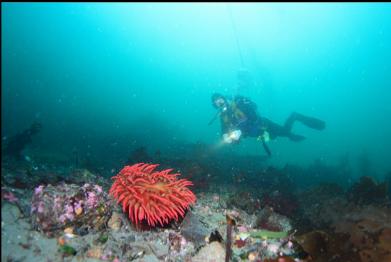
(268, 234)
(67, 250)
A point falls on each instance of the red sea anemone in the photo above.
(152, 196)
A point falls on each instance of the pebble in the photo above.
(78, 211)
(68, 230)
(115, 221)
(95, 252)
(212, 252)
(61, 241)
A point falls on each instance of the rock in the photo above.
(385, 239)
(150, 258)
(159, 250)
(214, 252)
(269, 220)
(367, 191)
(243, 200)
(314, 243)
(55, 208)
(12, 211)
(193, 230)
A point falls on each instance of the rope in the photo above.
(236, 35)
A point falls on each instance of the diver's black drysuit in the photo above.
(241, 114)
(276, 130)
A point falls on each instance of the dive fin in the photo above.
(296, 138)
(311, 121)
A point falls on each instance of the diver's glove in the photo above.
(265, 136)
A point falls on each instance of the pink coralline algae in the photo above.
(38, 190)
(57, 202)
(242, 229)
(91, 200)
(98, 188)
(40, 207)
(69, 212)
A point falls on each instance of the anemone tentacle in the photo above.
(152, 196)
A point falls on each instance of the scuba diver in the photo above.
(18, 142)
(239, 118)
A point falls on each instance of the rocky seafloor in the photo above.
(246, 223)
